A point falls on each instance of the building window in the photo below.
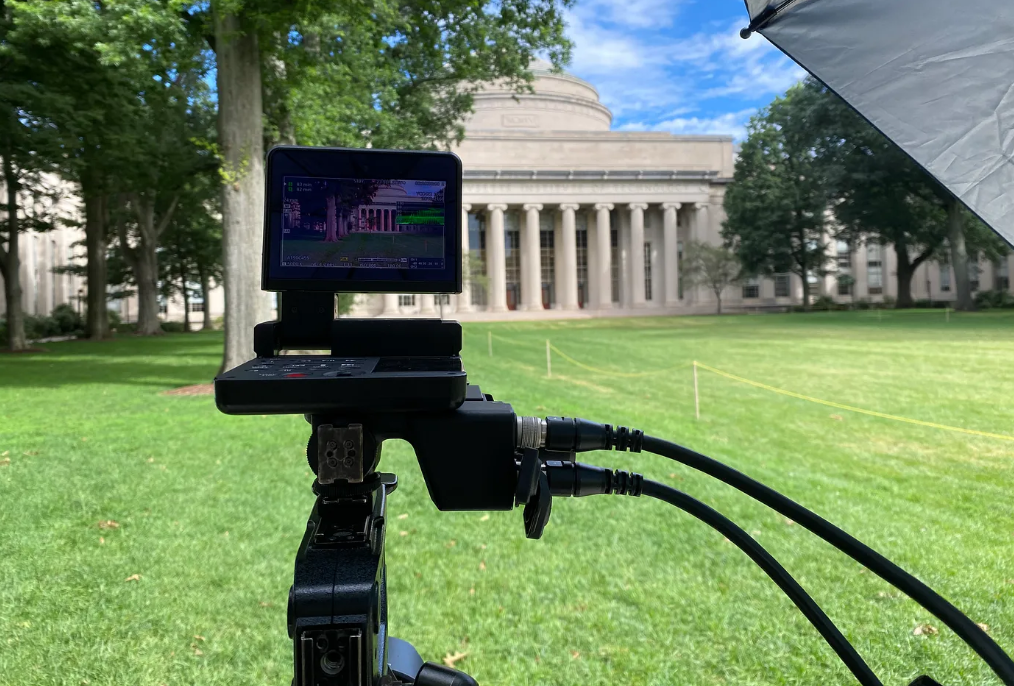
(197, 306)
(1002, 280)
(844, 286)
(782, 286)
(974, 274)
(582, 260)
(945, 278)
(547, 259)
(647, 270)
(163, 306)
(874, 269)
(679, 269)
(477, 257)
(406, 300)
(751, 289)
(512, 258)
(844, 255)
(614, 263)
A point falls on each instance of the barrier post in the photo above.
(697, 395)
(489, 342)
(549, 362)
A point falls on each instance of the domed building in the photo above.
(566, 217)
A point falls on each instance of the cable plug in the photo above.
(574, 479)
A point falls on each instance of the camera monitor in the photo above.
(363, 221)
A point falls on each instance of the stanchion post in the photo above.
(697, 395)
(549, 362)
(489, 342)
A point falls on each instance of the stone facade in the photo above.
(563, 217)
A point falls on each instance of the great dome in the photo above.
(561, 102)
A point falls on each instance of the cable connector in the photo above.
(580, 435)
(574, 479)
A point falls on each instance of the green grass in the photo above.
(355, 245)
(211, 508)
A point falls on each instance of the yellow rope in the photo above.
(849, 408)
(607, 372)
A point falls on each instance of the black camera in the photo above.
(367, 221)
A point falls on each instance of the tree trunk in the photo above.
(11, 263)
(718, 296)
(905, 272)
(206, 295)
(143, 261)
(959, 257)
(145, 269)
(240, 136)
(186, 303)
(95, 244)
(806, 292)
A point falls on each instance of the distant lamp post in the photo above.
(80, 301)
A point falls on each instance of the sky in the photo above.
(676, 65)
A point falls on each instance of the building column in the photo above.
(670, 248)
(637, 252)
(496, 262)
(427, 304)
(531, 259)
(465, 299)
(390, 304)
(604, 262)
(700, 223)
(568, 298)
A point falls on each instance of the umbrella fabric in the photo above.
(935, 76)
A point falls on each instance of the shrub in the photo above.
(173, 327)
(985, 300)
(889, 301)
(68, 320)
(862, 304)
(115, 320)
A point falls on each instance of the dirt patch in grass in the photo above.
(196, 389)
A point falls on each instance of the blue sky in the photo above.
(676, 65)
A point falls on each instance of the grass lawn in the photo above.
(209, 510)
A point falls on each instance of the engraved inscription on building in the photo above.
(521, 121)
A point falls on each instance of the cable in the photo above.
(575, 479)
(965, 628)
(742, 540)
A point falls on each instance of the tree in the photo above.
(879, 194)
(711, 266)
(28, 149)
(389, 74)
(191, 250)
(776, 204)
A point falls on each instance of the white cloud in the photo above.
(728, 124)
(651, 79)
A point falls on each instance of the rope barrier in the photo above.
(756, 384)
(606, 372)
(849, 408)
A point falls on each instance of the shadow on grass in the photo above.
(160, 362)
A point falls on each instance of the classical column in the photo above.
(701, 224)
(427, 304)
(604, 262)
(496, 264)
(637, 252)
(568, 299)
(531, 259)
(465, 299)
(670, 253)
(390, 304)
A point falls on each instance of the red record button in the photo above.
(295, 375)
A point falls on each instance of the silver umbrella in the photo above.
(935, 76)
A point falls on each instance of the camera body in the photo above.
(366, 221)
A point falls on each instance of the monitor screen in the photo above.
(375, 231)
